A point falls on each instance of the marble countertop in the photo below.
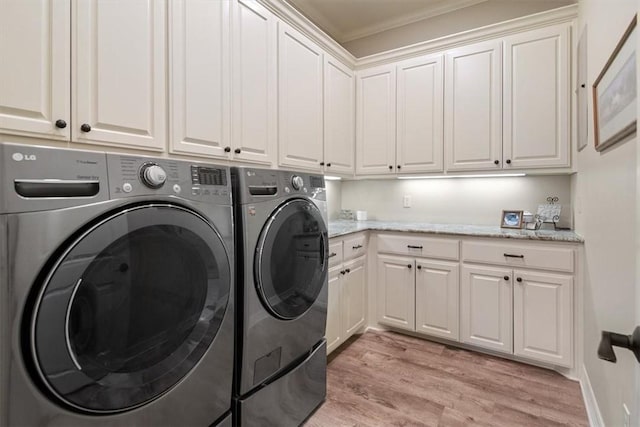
(342, 227)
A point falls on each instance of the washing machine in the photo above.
(281, 305)
(116, 290)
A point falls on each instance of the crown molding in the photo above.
(298, 21)
(409, 18)
(501, 29)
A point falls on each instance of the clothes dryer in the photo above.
(282, 246)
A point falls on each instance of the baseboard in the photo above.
(590, 403)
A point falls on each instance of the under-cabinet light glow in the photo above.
(332, 178)
(462, 176)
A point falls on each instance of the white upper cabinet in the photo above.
(473, 107)
(536, 98)
(255, 80)
(119, 79)
(420, 115)
(300, 100)
(339, 117)
(35, 94)
(376, 120)
(199, 77)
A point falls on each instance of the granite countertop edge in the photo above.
(342, 227)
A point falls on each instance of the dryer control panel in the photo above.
(145, 176)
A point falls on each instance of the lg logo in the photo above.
(18, 157)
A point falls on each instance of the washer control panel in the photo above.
(141, 176)
(297, 182)
(152, 175)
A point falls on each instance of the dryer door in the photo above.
(130, 307)
(291, 259)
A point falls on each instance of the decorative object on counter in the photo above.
(511, 219)
(615, 93)
(346, 214)
(549, 212)
(582, 95)
(361, 215)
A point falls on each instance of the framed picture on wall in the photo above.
(511, 219)
(615, 93)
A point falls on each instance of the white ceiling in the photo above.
(347, 20)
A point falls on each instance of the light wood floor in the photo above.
(389, 379)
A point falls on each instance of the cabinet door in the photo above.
(420, 115)
(437, 292)
(353, 293)
(119, 84)
(199, 77)
(376, 121)
(396, 292)
(334, 331)
(542, 317)
(536, 98)
(339, 117)
(473, 107)
(300, 99)
(486, 306)
(255, 76)
(35, 75)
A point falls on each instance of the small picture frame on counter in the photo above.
(511, 219)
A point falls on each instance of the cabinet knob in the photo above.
(419, 267)
(390, 167)
(61, 124)
(506, 277)
(508, 161)
(399, 166)
(237, 151)
(408, 265)
(329, 165)
(321, 163)
(85, 127)
(347, 270)
(227, 149)
(343, 272)
(497, 162)
(519, 279)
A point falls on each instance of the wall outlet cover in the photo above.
(406, 201)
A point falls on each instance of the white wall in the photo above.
(489, 12)
(334, 198)
(477, 201)
(605, 201)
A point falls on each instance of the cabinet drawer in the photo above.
(429, 247)
(335, 253)
(518, 255)
(355, 246)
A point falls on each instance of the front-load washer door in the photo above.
(130, 307)
(291, 259)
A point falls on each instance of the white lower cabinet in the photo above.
(486, 308)
(347, 304)
(521, 312)
(418, 294)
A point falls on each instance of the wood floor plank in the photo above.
(390, 379)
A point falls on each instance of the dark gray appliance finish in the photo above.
(282, 246)
(116, 289)
(291, 398)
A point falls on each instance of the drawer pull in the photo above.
(414, 247)
(332, 254)
(357, 247)
(513, 256)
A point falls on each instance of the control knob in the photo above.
(297, 182)
(152, 175)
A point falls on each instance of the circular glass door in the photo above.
(130, 308)
(291, 259)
